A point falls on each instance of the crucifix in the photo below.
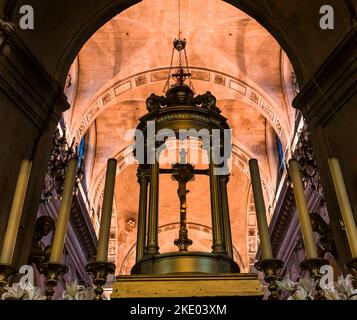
(183, 172)
(181, 76)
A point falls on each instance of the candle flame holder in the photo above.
(52, 273)
(313, 266)
(100, 272)
(7, 271)
(270, 267)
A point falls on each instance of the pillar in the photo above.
(152, 244)
(225, 213)
(143, 180)
(217, 223)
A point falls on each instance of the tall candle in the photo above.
(105, 221)
(345, 206)
(304, 218)
(13, 223)
(63, 215)
(264, 235)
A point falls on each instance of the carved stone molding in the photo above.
(83, 228)
(253, 96)
(26, 83)
(332, 85)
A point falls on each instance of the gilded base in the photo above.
(192, 262)
(186, 286)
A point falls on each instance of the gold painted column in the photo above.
(153, 244)
(143, 180)
(226, 218)
(217, 223)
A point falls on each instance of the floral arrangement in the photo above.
(76, 291)
(305, 289)
(22, 291)
(26, 291)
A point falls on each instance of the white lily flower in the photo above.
(71, 291)
(87, 294)
(299, 294)
(307, 284)
(15, 292)
(353, 295)
(344, 285)
(286, 284)
(35, 294)
(333, 294)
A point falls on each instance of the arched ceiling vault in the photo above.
(63, 27)
(224, 86)
(234, 57)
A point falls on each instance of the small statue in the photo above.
(39, 252)
(155, 102)
(207, 101)
(326, 242)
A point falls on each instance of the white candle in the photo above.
(65, 209)
(263, 228)
(13, 223)
(344, 203)
(304, 218)
(105, 221)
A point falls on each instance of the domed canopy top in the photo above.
(179, 95)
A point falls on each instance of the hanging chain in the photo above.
(179, 19)
(179, 45)
(167, 84)
(188, 71)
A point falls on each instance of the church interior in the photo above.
(101, 195)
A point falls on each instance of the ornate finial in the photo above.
(180, 44)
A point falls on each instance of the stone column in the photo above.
(143, 180)
(328, 103)
(225, 213)
(217, 223)
(152, 244)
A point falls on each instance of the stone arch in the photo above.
(251, 94)
(108, 11)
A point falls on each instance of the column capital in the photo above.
(143, 174)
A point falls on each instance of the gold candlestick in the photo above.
(344, 203)
(52, 273)
(305, 223)
(313, 266)
(270, 268)
(100, 272)
(15, 213)
(105, 221)
(263, 228)
(63, 216)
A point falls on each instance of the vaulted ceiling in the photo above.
(229, 54)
